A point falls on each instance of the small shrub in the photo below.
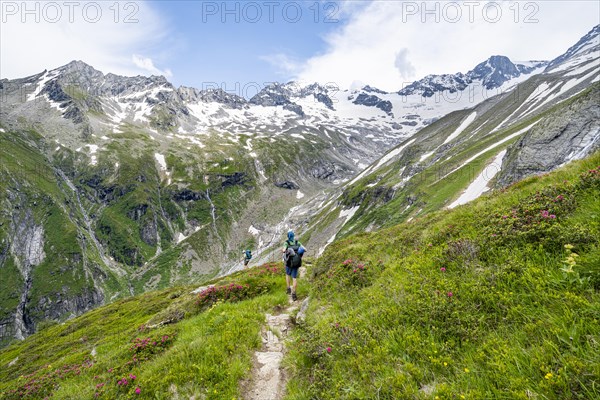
(463, 250)
(43, 382)
(232, 292)
(533, 219)
(589, 179)
(348, 274)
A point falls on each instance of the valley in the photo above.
(115, 186)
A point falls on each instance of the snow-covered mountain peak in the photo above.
(491, 74)
(586, 49)
(372, 89)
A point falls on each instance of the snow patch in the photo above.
(40, 86)
(181, 237)
(53, 104)
(383, 160)
(564, 87)
(299, 195)
(253, 231)
(161, 161)
(493, 146)
(347, 214)
(480, 184)
(463, 125)
(584, 146)
(392, 154)
(426, 156)
(93, 148)
(581, 69)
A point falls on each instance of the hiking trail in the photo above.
(268, 379)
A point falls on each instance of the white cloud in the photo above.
(283, 64)
(147, 64)
(387, 43)
(403, 64)
(106, 35)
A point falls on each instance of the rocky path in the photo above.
(268, 379)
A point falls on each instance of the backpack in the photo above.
(248, 254)
(294, 260)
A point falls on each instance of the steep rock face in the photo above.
(27, 250)
(560, 138)
(61, 304)
(34, 256)
(495, 71)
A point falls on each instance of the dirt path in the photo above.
(268, 380)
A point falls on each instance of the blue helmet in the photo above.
(290, 235)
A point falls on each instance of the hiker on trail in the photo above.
(247, 257)
(292, 257)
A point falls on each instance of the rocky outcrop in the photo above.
(373, 101)
(287, 185)
(188, 195)
(235, 179)
(319, 93)
(329, 171)
(148, 232)
(222, 97)
(137, 212)
(56, 306)
(568, 135)
(494, 72)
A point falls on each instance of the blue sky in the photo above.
(233, 44)
(386, 44)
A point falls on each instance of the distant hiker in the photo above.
(247, 257)
(292, 257)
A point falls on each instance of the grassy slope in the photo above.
(205, 354)
(515, 325)
(500, 320)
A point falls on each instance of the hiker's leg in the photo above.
(287, 280)
(294, 285)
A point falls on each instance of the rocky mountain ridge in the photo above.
(490, 74)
